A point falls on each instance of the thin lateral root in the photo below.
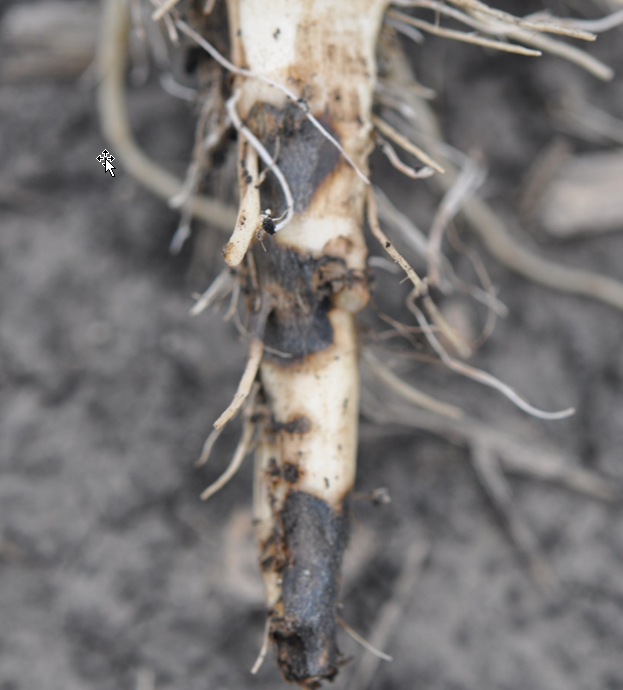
(461, 36)
(420, 286)
(467, 182)
(405, 169)
(222, 285)
(207, 447)
(363, 642)
(373, 220)
(547, 24)
(404, 143)
(256, 349)
(478, 375)
(166, 6)
(244, 446)
(263, 650)
(564, 50)
(199, 164)
(552, 25)
(391, 216)
(610, 21)
(408, 392)
(455, 339)
(249, 214)
(171, 30)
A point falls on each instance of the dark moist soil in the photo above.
(112, 569)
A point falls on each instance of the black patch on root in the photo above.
(315, 537)
(302, 288)
(304, 155)
(290, 472)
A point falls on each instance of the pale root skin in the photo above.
(324, 52)
(235, 250)
(324, 390)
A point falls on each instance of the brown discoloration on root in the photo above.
(297, 425)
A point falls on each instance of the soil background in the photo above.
(115, 576)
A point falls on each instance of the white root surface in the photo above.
(325, 390)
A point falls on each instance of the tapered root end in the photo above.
(303, 656)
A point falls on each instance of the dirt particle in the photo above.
(268, 225)
(266, 564)
(273, 468)
(297, 425)
(290, 472)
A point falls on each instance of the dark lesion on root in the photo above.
(289, 472)
(304, 155)
(304, 627)
(297, 425)
(309, 536)
(302, 289)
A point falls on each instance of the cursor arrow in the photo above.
(109, 168)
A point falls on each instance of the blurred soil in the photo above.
(113, 573)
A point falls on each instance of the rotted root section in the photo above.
(302, 538)
(303, 626)
(304, 290)
(305, 460)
